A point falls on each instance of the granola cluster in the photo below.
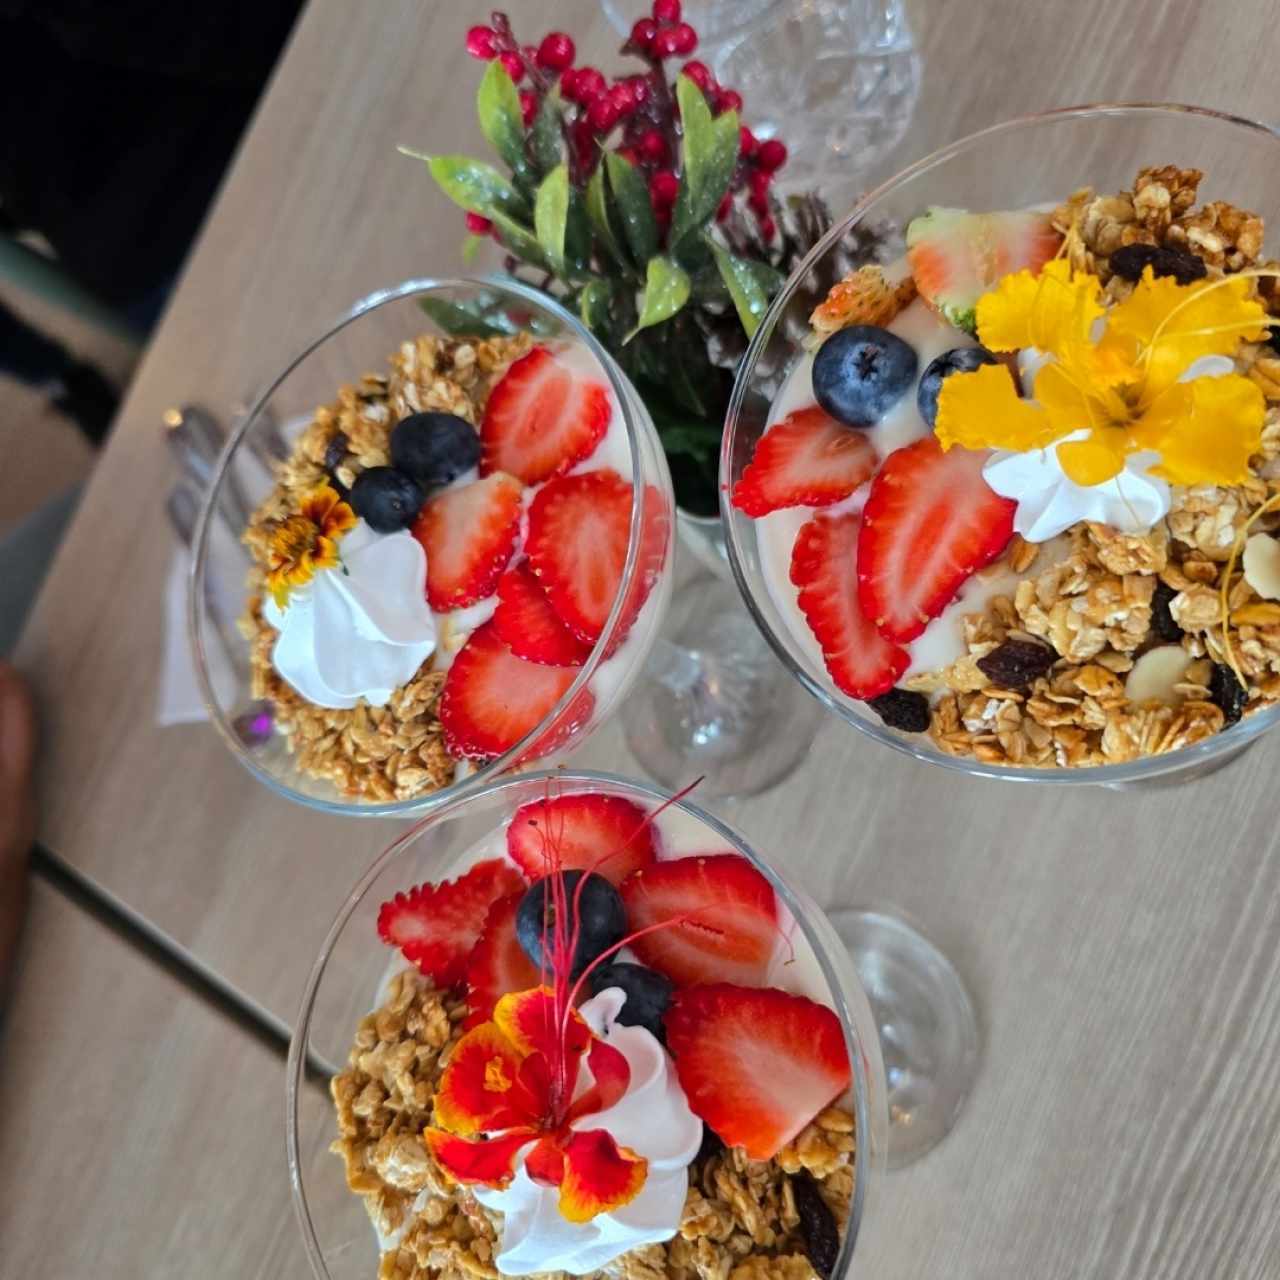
(1160, 211)
(740, 1219)
(394, 752)
(1101, 600)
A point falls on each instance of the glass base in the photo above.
(928, 1029)
(714, 701)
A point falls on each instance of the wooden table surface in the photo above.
(140, 1131)
(1123, 948)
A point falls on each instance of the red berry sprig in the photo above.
(640, 109)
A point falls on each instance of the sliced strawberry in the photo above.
(579, 528)
(824, 565)
(469, 534)
(436, 925)
(491, 698)
(606, 834)
(527, 622)
(541, 418)
(806, 460)
(655, 542)
(930, 522)
(732, 927)
(957, 256)
(498, 964)
(756, 1065)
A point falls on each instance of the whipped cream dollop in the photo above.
(1049, 501)
(653, 1119)
(360, 630)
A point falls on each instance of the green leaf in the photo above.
(632, 196)
(520, 240)
(666, 290)
(598, 213)
(470, 247)
(769, 278)
(750, 299)
(546, 138)
(471, 319)
(708, 287)
(498, 106)
(476, 186)
(577, 237)
(710, 152)
(593, 307)
(551, 216)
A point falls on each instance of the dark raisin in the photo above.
(818, 1227)
(1163, 627)
(1227, 693)
(1016, 663)
(336, 451)
(1273, 340)
(902, 709)
(1131, 260)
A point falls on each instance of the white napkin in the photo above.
(179, 700)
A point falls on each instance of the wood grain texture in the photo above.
(1122, 947)
(140, 1133)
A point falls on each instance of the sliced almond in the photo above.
(1261, 563)
(1155, 674)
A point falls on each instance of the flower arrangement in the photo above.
(645, 205)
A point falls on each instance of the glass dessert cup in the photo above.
(361, 341)
(1026, 164)
(1034, 161)
(341, 989)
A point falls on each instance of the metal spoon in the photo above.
(196, 438)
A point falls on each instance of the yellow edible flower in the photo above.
(308, 541)
(1121, 384)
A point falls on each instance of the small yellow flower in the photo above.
(308, 541)
(1122, 384)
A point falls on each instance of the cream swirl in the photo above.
(360, 630)
(653, 1119)
(1049, 501)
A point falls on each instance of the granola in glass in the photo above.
(710, 1132)
(1031, 513)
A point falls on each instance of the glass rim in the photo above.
(296, 1065)
(195, 613)
(1226, 741)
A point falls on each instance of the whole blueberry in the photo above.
(602, 919)
(937, 371)
(386, 499)
(648, 994)
(860, 373)
(434, 448)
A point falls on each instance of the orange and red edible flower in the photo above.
(511, 1084)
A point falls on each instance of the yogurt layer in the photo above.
(943, 639)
